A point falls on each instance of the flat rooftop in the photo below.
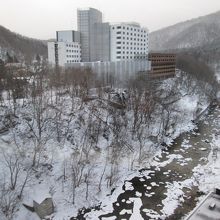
(208, 209)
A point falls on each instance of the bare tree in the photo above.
(8, 201)
(14, 167)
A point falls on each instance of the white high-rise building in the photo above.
(128, 41)
(97, 41)
(62, 53)
(66, 49)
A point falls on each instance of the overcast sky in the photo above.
(41, 18)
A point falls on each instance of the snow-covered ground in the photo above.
(85, 149)
(208, 176)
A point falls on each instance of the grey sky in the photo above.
(41, 18)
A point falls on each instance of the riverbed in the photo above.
(167, 189)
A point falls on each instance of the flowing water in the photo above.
(150, 187)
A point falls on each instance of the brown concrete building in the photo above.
(163, 65)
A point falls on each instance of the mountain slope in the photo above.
(190, 34)
(20, 46)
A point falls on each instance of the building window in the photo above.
(118, 37)
(119, 42)
(118, 47)
(118, 27)
(119, 32)
(118, 57)
(118, 52)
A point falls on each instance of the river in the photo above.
(150, 193)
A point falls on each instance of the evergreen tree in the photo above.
(9, 59)
(15, 60)
(38, 58)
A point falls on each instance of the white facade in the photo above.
(62, 53)
(128, 42)
(117, 71)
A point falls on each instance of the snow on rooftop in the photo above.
(38, 194)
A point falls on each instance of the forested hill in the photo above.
(20, 46)
(193, 33)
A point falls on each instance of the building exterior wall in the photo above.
(51, 52)
(76, 36)
(163, 65)
(128, 41)
(102, 42)
(61, 53)
(68, 36)
(86, 18)
(119, 70)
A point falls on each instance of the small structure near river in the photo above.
(43, 206)
(209, 208)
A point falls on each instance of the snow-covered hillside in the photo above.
(190, 34)
(77, 147)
